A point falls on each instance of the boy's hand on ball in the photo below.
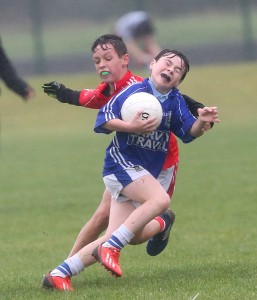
(143, 125)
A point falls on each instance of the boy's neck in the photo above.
(157, 93)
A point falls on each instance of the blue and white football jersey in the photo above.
(130, 150)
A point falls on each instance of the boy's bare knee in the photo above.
(165, 202)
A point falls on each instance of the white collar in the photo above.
(158, 95)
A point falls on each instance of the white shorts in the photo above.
(115, 186)
(166, 178)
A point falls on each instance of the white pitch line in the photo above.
(195, 296)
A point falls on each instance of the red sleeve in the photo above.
(93, 98)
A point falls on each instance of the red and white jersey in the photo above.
(95, 98)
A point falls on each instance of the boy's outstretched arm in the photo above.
(58, 91)
(206, 114)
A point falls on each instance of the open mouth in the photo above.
(165, 76)
(104, 73)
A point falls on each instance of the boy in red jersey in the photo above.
(167, 75)
(111, 61)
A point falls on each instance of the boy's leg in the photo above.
(95, 226)
(117, 237)
(160, 224)
(99, 221)
(156, 234)
(153, 199)
(60, 277)
(157, 243)
(119, 212)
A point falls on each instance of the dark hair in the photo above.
(112, 39)
(167, 52)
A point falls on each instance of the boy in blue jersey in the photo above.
(130, 171)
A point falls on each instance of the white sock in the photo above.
(120, 238)
(71, 266)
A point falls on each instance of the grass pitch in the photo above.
(50, 183)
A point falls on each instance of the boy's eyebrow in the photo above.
(169, 59)
(106, 52)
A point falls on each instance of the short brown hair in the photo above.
(112, 39)
(167, 52)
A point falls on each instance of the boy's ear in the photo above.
(125, 59)
(152, 63)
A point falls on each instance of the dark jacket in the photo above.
(10, 77)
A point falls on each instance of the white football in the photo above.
(141, 101)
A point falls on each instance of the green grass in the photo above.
(50, 183)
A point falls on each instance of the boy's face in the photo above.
(108, 65)
(166, 73)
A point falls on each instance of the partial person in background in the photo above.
(137, 31)
(11, 79)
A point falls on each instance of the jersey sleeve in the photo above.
(94, 98)
(193, 105)
(110, 111)
(182, 120)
